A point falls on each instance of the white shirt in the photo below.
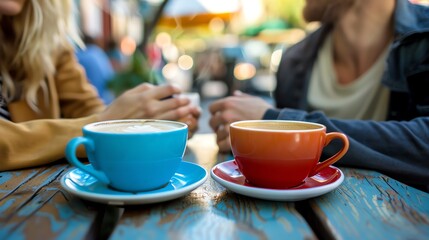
(365, 98)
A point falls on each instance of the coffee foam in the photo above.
(277, 126)
(135, 127)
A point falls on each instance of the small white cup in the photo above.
(193, 97)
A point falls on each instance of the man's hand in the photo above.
(234, 108)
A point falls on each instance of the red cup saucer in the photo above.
(228, 175)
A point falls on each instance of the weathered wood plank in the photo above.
(369, 205)
(30, 184)
(41, 209)
(211, 212)
(11, 180)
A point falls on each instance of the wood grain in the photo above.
(369, 205)
(211, 212)
(34, 206)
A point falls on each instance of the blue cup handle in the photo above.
(71, 157)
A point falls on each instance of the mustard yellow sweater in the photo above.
(34, 138)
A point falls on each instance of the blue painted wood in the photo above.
(38, 208)
(211, 212)
(369, 205)
(23, 187)
(52, 216)
(10, 181)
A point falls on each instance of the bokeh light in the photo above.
(216, 25)
(275, 59)
(185, 62)
(170, 70)
(244, 71)
(170, 52)
(128, 46)
(163, 39)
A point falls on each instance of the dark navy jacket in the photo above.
(398, 147)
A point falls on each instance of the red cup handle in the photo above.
(329, 137)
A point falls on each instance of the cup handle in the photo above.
(89, 147)
(329, 137)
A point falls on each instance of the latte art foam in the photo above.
(142, 128)
(135, 127)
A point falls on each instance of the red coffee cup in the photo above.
(281, 154)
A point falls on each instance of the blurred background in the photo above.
(212, 47)
(209, 46)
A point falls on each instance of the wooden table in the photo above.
(367, 205)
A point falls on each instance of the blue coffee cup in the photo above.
(131, 155)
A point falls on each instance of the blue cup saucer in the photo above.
(188, 177)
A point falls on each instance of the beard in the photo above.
(325, 11)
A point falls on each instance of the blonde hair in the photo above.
(29, 44)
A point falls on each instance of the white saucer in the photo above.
(188, 177)
(228, 175)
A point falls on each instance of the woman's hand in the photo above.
(147, 101)
(192, 121)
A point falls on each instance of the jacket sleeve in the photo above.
(33, 139)
(399, 149)
(37, 142)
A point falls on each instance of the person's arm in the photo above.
(36, 138)
(27, 142)
(37, 142)
(399, 149)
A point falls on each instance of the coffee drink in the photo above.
(278, 126)
(131, 155)
(281, 154)
(135, 127)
